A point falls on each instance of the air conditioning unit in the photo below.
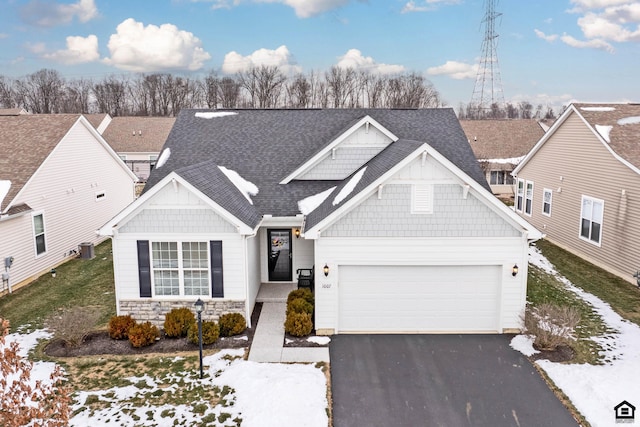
(86, 250)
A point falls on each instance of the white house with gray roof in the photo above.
(389, 206)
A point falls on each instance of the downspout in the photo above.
(247, 314)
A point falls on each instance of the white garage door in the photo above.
(419, 298)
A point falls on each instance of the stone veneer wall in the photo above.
(155, 311)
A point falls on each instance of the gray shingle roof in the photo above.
(264, 146)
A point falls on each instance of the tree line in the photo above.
(520, 110)
(162, 94)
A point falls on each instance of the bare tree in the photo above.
(7, 95)
(76, 97)
(229, 92)
(299, 93)
(525, 109)
(264, 85)
(41, 92)
(111, 96)
(211, 89)
(340, 85)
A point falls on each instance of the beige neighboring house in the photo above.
(580, 185)
(138, 141)
(499, 145)
(59, 182)
(99, 121)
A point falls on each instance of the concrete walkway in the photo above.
(268, 341)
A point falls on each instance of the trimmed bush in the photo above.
(210, 332)
(119, 327)
(299, 305)
(232, 324)
(298, 324)
(143, 334)
(304, 293)
(178, 321)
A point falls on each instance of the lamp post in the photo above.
(199, 305)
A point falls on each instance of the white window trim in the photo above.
(33, 232)
(518, 194)
(593, 200)
(550, 192)
(426, 205)
(524, 204)
(180, 268)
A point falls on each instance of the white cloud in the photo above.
(587, 44)
(581, 5)
(79, 50)
(280, 57)
(426, 5)
(46, 13)
(543, 36)
(355, 60)
(302, 8)
(135, 47)
(454, 69)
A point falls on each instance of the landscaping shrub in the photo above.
(298, 324)
(73, 325)
(551, 325)
(143, 334)
(119, 326)
(178, 321)
(210, 332)
(299, 305)
(232, 324)
(304, 293)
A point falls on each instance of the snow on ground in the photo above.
(319, 340)
(263, 394)
(596, 390)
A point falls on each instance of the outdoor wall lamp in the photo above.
(297, 232)
(637, 276)
(514, 270)
(325, 270)
(199, 305)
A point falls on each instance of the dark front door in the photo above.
(280, 256)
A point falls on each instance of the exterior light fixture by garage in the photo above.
(514, 270)
(325, 270)
(199, 305)
(637, 276)
(297, 232)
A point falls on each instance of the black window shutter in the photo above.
(217, 286)
(144, 269)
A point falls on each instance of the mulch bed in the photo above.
(563, 353)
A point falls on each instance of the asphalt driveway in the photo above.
(438, 380)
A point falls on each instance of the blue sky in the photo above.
(550, 51)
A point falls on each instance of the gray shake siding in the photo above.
(178, 221)
(453, 216)
(346, 161)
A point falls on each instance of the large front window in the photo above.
(180, 268)
(591, 219)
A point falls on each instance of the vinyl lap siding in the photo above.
(587, 168)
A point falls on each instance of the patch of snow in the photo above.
(247, 188)
(308, 205)
(604, 131)
(603, 109)
(214, 114)
(634, 120)
(523, 344)
(347, 189)
(512, 160)
(164, 156)
(319, 340)
(5, 185)
(242, 338)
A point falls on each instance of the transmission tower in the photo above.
(487, 92)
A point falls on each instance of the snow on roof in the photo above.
(512, 160)
(310, 203)
(604, 131)
(5, 185)
(597, 108)
(247, 188)
(164, 156)
(214, 114)
(634, 120)
(347, 189)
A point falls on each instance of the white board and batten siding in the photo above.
(175, 214)
(301, 249)
(78, 188)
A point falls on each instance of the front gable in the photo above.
(346, 153)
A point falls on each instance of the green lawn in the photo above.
(78, 283)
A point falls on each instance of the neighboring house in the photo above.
(580, 185)
(499, 145)
(389, 206)
(99, 121)
(59, 182)
(138, 141)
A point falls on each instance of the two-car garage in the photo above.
(449, 298)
